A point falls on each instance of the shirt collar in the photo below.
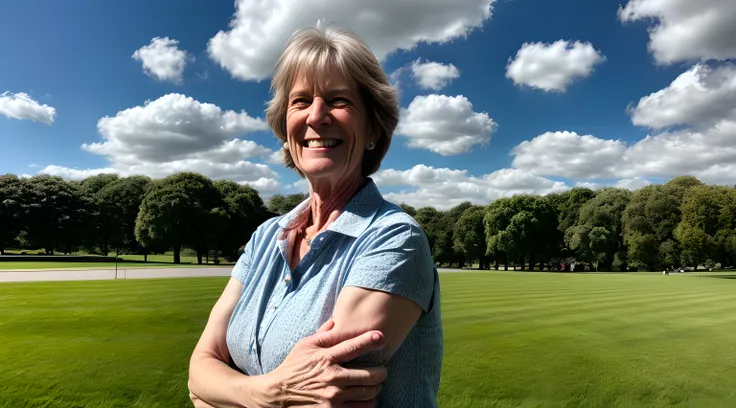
(357, 215)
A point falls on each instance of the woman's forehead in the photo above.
(321, 79)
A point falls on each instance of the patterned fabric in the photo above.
(372, 244)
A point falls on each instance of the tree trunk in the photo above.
(2, 251)
(199, 257)
(531, 261)
(505, 262)
(177, 254)
(522, 263)
(495, 264)
(145, 256)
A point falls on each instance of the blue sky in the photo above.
(646, 94)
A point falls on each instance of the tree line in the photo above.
(680, 223)
(139, 215)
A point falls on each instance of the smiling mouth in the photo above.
(321, 143)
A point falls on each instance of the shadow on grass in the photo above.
(719, 276)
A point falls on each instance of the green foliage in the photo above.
(598, 235)
(178, 210)
(280, 204)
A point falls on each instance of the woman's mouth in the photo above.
(321, 143)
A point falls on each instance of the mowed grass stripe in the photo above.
(619, 350)
(512, 339)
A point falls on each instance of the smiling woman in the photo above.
(336, 303)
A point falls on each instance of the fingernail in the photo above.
(376, 336)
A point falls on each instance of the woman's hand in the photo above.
(311, 374)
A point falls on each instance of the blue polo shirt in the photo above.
(373, 244)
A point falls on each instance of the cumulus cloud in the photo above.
(21, 106)
(250, 47)
(74, 174)
(553, 67)
(686, 30)
(567, 154)
(176, 133)
(701, 100)
(444, 124)
(162, 59)
(444, 188)
(707, 154)
(173, 127)
(433, 75)
(703, 95)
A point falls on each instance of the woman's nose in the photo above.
(319, 114)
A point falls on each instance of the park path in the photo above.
(105, 274)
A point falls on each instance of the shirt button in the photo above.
(287, 279)
(273, 309)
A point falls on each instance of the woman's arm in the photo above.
(211, 379)
(311, 374)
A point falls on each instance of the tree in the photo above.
(444, 227)
(469, 236)
(408, 209)
(496, 219)
(177, 210)
(598, 235)
(10, 210)
(55, 213)
(707, 224)
(281, 204)
(120, 202)
(567, 206)
(99, 224)
(243, 211)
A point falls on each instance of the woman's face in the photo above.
(326, 127)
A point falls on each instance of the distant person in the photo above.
(345, 261)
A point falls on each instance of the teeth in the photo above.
(317, 143)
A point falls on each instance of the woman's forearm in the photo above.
(219, 385)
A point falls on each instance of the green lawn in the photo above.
(512, 339)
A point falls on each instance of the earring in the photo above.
(286, 146)
(371, 145)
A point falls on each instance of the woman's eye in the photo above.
(300, 102)
(339, 101)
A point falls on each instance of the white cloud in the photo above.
(162, 59)
(567, 154)
(276, 158)
(686, 30)
(250, 47)
(73, 174)
(444, 188)
(433, 75)
(170, 128)
(707, 154)
(553, 67)
(176, 133)
(444, 124)
(265, 186)
(632, 183)
(700, 96)
(21, 106)
(703, 99)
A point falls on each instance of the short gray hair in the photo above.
(317, 49)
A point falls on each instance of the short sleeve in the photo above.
(396, 259)
(242, 267)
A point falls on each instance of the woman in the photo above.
(345, 263)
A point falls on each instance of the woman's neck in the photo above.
(327, 202)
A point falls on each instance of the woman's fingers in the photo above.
(357, 394)
(327, 326)
(352, 377)
(353, 348)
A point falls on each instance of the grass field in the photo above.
(512, 339)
